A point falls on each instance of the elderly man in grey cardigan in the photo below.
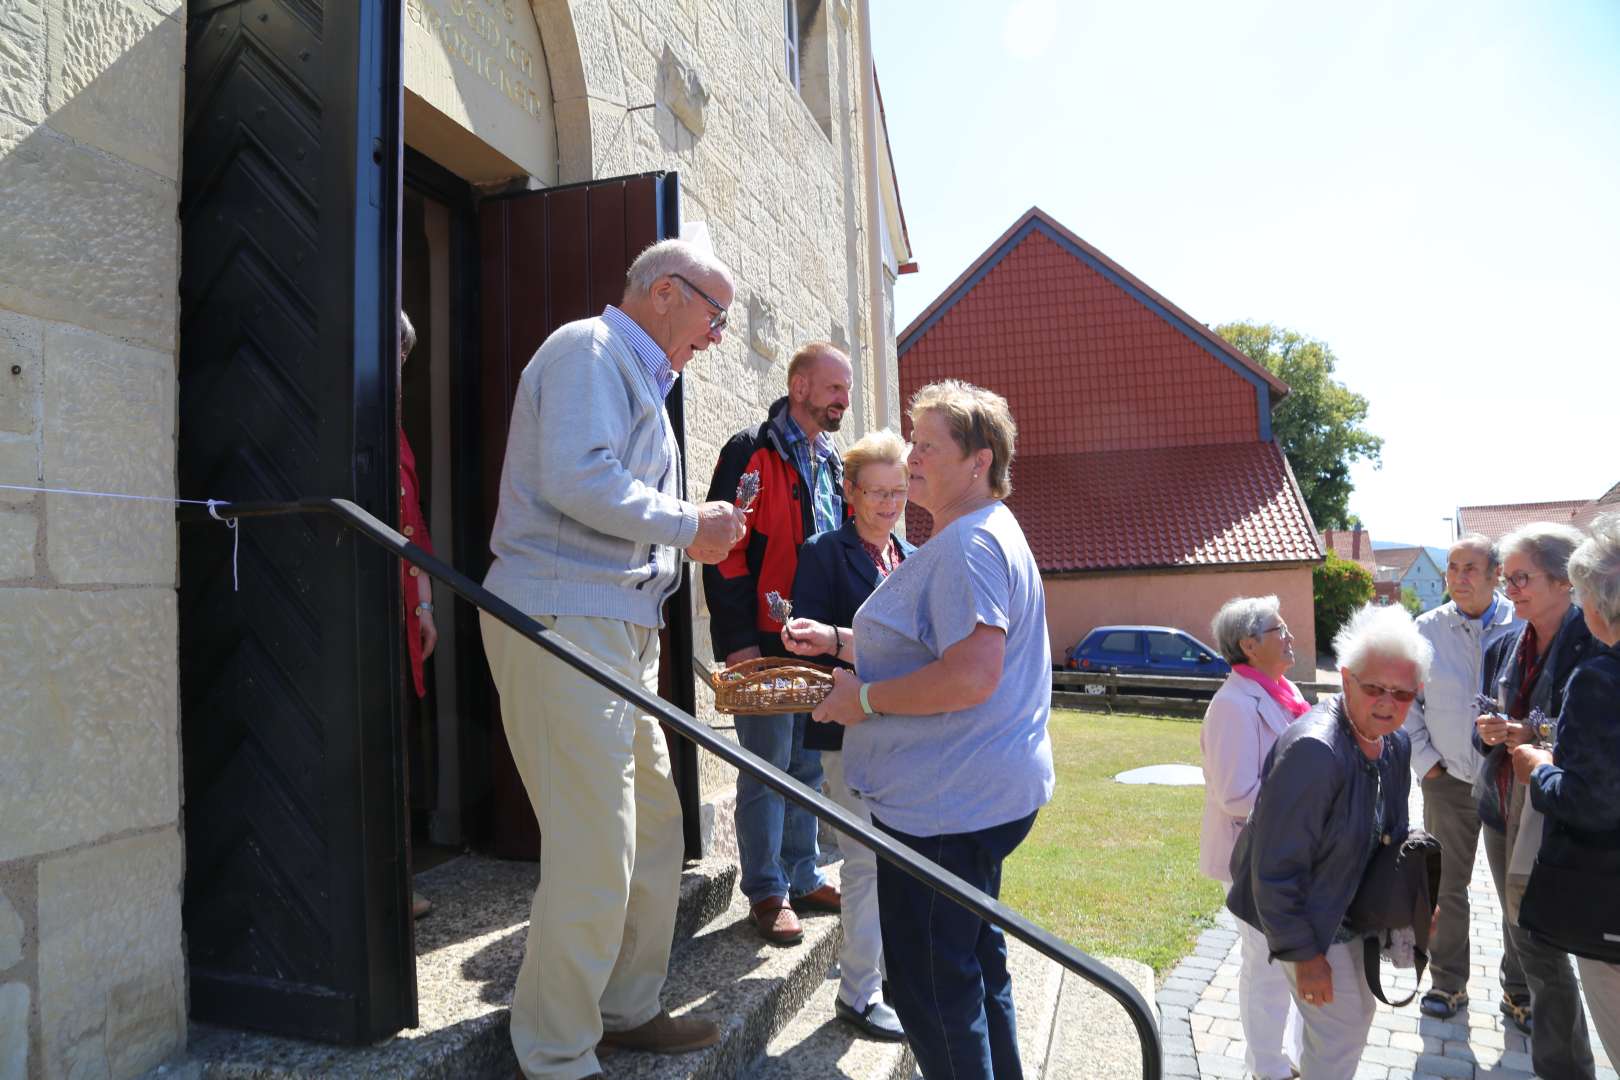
(587, 540)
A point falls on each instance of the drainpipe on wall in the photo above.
(874, 225)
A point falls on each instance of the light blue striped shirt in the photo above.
(646, 349)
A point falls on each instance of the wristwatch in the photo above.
(424, 608)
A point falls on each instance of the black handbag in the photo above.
(1399, 890)
(1570, 901)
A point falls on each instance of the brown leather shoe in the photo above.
(826, 898)
(666, 1034)
(775, 921)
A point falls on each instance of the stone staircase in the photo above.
(774, 1005)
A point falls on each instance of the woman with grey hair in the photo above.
(1525, 671)
(1576, 784)
(1248, 712)
(1333, 789)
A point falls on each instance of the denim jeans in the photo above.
(947, 967)
(776, 839)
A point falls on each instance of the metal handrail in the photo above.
(979, 903)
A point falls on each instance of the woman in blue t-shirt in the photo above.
(946, 716)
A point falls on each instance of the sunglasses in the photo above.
(717, 322)
(1374, 691)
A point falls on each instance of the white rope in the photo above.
(212, 504)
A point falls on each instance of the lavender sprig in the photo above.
(781, 608)
(747, 490)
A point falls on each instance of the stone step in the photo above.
(815, 1045)
(750, 988)
(467, 956)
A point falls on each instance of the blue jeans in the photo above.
(776, 839)
(947, 967)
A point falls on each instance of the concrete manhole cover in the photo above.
(1175, 775)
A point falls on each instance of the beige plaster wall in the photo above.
(776, 174)
(1186, 600)
(91, 970)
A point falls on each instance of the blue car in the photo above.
(1146, 650)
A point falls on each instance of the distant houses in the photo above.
(1413, 568)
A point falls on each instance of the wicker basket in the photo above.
(770, 685)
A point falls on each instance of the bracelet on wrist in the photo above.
(866, 700)
(838, 643)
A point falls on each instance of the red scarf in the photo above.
(1529, 662)
(884, 558)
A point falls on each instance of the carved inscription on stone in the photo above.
(478, 35)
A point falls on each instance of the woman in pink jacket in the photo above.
(1243, 721)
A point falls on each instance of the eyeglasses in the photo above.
(1521, 579)
(883, 494)
(717, 322)
(1374, 691)
(1281, 630)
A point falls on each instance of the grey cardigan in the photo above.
(1302, 855)
(591, 518)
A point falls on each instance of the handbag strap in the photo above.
(1372, 949)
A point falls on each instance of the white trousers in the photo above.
(597, 772)
(1601, 982)
(1271, 1024)
(860, 957)
(1335, 1034)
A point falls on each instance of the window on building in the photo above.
(790, 12)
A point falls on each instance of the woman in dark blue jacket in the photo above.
(1577, 783)
(837, 572)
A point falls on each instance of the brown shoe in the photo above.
(666, 1034)
(826, 898)
(776, 922)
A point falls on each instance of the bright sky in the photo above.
(1432, 189)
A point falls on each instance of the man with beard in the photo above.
(790, 462)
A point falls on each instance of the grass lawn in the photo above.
(1113, 867)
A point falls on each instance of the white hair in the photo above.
(1386, 631)
(1241, 617)
(1477, 542)
(1548, 543)
(1595, 569)
(672, 257)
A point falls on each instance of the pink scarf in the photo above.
(1281, 690)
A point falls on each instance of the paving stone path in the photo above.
(1202, 1037)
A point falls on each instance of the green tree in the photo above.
(1410, 601)
(1319, 424)
(1340, 587)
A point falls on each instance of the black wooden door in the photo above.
(297, 893)
(548, 258)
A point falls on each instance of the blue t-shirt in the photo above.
(975, 768)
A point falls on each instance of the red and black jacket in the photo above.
(767, 556)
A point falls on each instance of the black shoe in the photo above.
(876, 1021)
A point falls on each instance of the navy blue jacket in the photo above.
(1580, 791)
(834, 578)
(1301, 857)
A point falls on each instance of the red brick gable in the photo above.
(1089, 359)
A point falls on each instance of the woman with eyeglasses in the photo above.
(837, 572)
(1254, 706)
(1332, 790)
(1526, 670)
(1577, 782)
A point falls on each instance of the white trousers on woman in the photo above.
(860, 957)
(1335, 1034)
(1271, 1023)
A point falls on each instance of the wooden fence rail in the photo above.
(1111, 690)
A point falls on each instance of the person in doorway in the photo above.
(421, 633)
(1254, 706)
(837, 572)
(790, 462)
(952, 685)
(1332, 790)
(587, 540)
(1441, 726)
(1524, 670)
(1577, 784)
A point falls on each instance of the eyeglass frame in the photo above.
(1280, 629)
(718, 321)
(1375, 691)
(1521, 579)
(883, 494)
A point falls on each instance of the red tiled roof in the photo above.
(1354, 545)
(1398, 559)
(1606, 503)
(1215, 506)
(1088, 357)
(1502, 518)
